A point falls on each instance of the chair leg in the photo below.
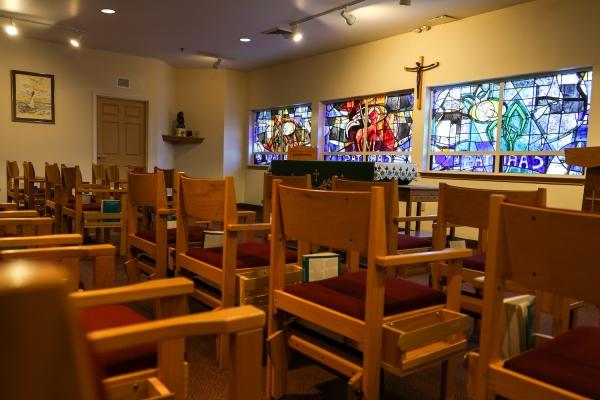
(246, 350)
(448, 381)
(132, 270)
(277, 365)
(223, 350)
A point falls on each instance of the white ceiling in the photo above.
(159, 28)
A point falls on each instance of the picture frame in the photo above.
(32, 97)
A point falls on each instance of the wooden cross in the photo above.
(419, 69)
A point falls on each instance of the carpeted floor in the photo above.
(307, 380)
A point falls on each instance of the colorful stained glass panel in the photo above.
(276, 130)
(547, 113)
(465, 118)
(388, 119)
(538, 164)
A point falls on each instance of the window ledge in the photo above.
(543, 179)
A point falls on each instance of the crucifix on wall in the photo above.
(419, 69)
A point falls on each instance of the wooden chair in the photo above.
(564, 262)
(467, 207)
(33, 288)
(169, 175)
(82, 216)
(215, 201)
(53, 194)
(302, 181)
(149, 239)
(14, 188)
(374, 314)
(34, 189)
(302, 153)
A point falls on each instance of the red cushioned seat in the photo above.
(571, 361)
(121, 361)
(412, 242)
(85, 207)
(249, 255)
(196, 234)
(476, 262)
(347, 293)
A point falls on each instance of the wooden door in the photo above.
(121, 132)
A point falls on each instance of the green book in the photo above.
(318, 266)
(110, 207)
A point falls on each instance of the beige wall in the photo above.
(79, 76)
(214, 104)
(539, 36)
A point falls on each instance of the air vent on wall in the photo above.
(123, 83)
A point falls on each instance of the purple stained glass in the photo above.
(344, 157)
(470, 163)
(538, 164)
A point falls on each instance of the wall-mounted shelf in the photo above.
(182, 139)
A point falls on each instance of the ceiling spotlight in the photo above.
(417, 30)
(245, 40)
(75, 41)
(296, 34)
(217, 63)
(11, 28)
(107, 11)
(405, 2)
(350, 19)
(425, 28)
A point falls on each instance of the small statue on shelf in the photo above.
(180, 125)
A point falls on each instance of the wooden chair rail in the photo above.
(19, 214)
(140, 291)
(230, 320)
(424, 257)
(42, 240)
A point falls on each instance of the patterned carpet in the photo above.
(307, 380)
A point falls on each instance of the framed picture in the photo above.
(32, 97)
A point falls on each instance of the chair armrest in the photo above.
(416, 218)
(153, 289)
(30, 221)
(37, 179)
(246, 213)
(166, 211)
(102, 189)
(229, 320)
(94, 250)
(42, 240)
(19, 214)
(421, 258)
(8, 206)
(259, 226)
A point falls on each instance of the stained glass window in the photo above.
(276, 130)
(534, 119)
(388, 135)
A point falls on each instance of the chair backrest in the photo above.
(12, 169)
(206, 200)
(99, 174)
(545, 249)
(169, 175)
(34, 288)
(341, 220)
(302, 153)
(390, 189)
(301, 181)
(147, 190)
(52, 174)
(69, 180)
(460, 206)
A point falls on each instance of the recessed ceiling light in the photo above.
(11, 29)
(245, 40)
(107, 11)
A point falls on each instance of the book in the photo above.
(318, 266)
(110, 207)
(213, 239)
